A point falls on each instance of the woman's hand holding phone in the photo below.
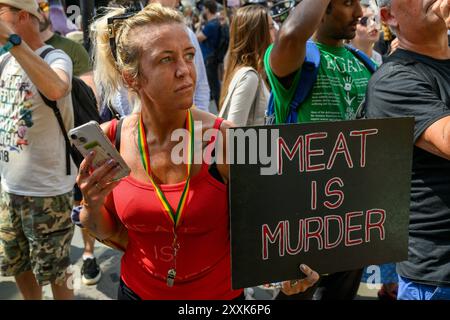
(97, 183)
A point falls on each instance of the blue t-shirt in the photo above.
(212, 32)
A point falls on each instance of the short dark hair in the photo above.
(211, 5)
(329, 8)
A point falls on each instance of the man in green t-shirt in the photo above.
(338, 91)
(342, 78)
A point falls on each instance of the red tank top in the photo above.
(203, 260)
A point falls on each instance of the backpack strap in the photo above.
(308, 77)
(54, 106)
(4, 63)
(115, 132)
(364, 58)
(114, 113)
(118, 135)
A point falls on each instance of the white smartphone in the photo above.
(90, 137)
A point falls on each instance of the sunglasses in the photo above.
(113, 24)
(281, 10)
(44, 6)
(365, 21)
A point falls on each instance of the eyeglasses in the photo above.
(44, 6)
(113, 24)
(366, 21)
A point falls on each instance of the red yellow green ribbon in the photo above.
(145, 157)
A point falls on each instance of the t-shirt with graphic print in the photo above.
(339, 89)
(32, 147)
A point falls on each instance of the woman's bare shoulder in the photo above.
(128, 122)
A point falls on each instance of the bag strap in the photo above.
(54, 106)
(308, 77)
(364, 58)
(236, 79)
(4, 63)
(115, 114)
(115, 132)
(118, 135)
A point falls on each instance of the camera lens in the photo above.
(73, 137)
(82, 139)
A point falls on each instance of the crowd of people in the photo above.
(157, 66)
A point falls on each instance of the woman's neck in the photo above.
(160, 124)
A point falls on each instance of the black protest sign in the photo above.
(332, 195)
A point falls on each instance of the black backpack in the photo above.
(84, 110)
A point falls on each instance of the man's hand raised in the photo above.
(5, 32)
(442, 9)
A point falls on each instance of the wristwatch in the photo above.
(13, 40)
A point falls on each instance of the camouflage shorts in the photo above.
(35, 234)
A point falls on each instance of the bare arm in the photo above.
(95, 186)
(53, 83)
(288, 52)
(99, 222)
(436, 138)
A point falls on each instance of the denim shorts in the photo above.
(409, 290)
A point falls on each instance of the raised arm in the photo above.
(288, 52)
(53, 83)
(436, 138)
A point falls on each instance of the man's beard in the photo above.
(43, 25)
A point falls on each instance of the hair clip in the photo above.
(113, 24)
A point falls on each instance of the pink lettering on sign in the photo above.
(340, 147)
(283, 148)
(335, 192)
(268, 236)
(309, 152)
(363, 134)
(313, 233)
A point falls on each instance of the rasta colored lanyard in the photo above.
(173, 216)
(145, 157)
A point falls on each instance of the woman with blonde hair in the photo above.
(170, 218)
(245, 94)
